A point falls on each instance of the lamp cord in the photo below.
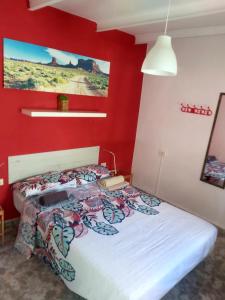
(114, 160)
(167, 16)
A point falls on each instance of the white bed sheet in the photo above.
(145, 260)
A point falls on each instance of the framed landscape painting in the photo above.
(37, 68)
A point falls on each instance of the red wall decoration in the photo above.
(20, 134)
(199, 110)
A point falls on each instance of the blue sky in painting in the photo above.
(34, 53)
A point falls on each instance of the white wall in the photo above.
(184, 137)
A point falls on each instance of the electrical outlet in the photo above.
(1, 181)
(162, 153)
(103, 164)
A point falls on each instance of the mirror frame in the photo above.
(210, 139)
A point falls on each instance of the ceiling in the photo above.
(145, 19)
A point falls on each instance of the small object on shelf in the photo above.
(2, 225)
(62, 102)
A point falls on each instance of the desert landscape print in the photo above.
(32, 67)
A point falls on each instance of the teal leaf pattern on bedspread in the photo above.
(150, 200)
(49, 232)
(75, 206)
(147, 210)
(87, 176)
(112, 214)
(40, 243)
(27, 233)
(63, 237)
(104, 228)
(67, 270)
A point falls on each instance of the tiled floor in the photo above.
(10, 235)
(22, 279)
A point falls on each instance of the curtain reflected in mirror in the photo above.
(214, 166)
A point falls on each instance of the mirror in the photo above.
(213, 171)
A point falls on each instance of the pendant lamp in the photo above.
(161, 59)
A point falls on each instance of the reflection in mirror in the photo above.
(214, 166)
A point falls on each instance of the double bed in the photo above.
(118, 245)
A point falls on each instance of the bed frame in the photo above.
(22, 166)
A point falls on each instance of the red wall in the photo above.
(20, 134)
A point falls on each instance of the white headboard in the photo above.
(22, 166)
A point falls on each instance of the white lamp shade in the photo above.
(161, 59)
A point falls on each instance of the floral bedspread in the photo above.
(49, 231)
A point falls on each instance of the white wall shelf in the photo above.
(62, 114)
